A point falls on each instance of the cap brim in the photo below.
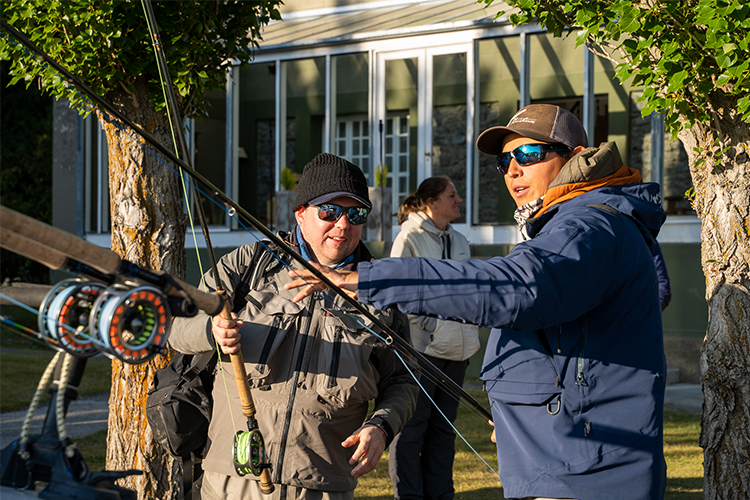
(331, 196)
(491, 140)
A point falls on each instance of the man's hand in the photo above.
(346, 280)
(492, 437)
(371, 439)
(227, 333)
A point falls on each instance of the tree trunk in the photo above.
(148, 228)
(722, 201)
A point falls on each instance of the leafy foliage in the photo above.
(381, 175)
(108, 45)
(288, 179)
(683, 52)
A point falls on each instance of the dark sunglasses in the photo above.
(528, 154)
(331, 213)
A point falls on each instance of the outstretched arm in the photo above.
(346, 280)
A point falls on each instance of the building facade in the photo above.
(409, 85)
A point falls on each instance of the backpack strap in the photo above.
(187, 475)
(197, 365)
(252, 274)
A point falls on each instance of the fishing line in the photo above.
(156, 39)
(445, 417)
(48, 318)
(231, 214)
(32, 335)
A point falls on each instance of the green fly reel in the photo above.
(132, 322)
(249, 453)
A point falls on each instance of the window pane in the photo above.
(210, 154)
(677, 179)
(257, 139)
(305, 111)
(350, 91)
(449, 121)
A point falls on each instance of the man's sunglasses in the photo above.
(331, 213)
(528, 154)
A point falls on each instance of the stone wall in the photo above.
(449, 147)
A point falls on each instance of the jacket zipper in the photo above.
(273, 332)
(337, 337)
(293, 392)
(580, 378)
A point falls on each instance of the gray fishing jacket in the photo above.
(312, 370)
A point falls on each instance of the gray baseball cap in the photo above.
(543, 122)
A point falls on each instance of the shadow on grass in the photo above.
(478, 494)
(684, 488)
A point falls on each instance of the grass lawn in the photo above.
(24, 359)
(473, 479)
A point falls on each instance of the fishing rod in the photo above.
(392, 339)
(249, 445)
(128, 321)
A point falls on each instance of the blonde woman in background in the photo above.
(421, 456)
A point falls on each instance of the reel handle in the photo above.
(266, 486)
(246, 398)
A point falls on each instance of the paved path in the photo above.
(86, 415)
(685, 397)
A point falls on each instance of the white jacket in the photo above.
(436, 337)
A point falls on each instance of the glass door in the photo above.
(399, 106)
(422, 115)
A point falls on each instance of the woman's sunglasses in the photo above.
(528, 154)
(332, 213)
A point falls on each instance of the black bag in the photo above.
(178, 410)
(178, 407)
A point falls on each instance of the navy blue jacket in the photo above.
(574, 366)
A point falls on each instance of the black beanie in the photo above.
(327, 177)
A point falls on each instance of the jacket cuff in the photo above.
(363, 294)
(385, 426)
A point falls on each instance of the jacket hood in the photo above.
(597, 176)
(420, 220)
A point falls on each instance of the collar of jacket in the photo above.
(592, 168)
(361, 253)
(420, 220)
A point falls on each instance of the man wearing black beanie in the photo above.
(312, 369)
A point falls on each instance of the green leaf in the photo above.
(723, 79)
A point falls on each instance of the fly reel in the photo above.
(249, 453)
(132, 322)
(64, 316)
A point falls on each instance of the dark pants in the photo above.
(421, 456)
